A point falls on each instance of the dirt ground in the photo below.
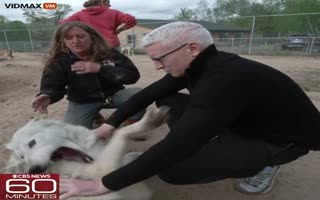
(299, 180)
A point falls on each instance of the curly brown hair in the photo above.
(100, 48)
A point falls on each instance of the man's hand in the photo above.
(77, 187)
(84, 67)
(41, 103)
(104, 131)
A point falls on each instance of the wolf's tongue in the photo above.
(71, 154)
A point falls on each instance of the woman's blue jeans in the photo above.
(84, 113)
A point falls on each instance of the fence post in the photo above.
(25, 47)
(311, 45)
(5, 37)
(232, 43)
(32, 49)
(252, 32)
(134, 37)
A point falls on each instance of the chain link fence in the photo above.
(270, 46)
(38, 40)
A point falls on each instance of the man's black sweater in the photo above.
(227, 92)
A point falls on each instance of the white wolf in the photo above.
(37, 147)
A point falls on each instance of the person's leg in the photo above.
(262, 169)
(82, 113)
(229, 156)
(262, 182)
(122, 96)
(177, 104)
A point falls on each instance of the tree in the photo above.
(203, 12)
(48, 17)
(61, 12)
(17, 31)
(241, 12)
(45, 18)
(3, 22)
(186, 14)
(218, 14)
(3, 19)
(233, 8)
(301, 24)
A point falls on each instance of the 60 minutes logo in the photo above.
(29, 186)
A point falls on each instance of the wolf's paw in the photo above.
(154, 117)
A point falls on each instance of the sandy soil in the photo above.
(299, 180)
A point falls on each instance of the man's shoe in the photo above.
(260, 183)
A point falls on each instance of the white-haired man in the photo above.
(241, 118)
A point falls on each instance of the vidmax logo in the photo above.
(50, 6)
(47, 5)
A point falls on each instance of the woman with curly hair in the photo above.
(81, 65)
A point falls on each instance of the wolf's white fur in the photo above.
(50, 135)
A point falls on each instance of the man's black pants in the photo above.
(227, 156)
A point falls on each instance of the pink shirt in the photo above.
(104, 20)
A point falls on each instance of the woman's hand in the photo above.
(104, 131)
(77, 187)
(41, 103)
(83, 67)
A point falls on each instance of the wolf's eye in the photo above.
(22, 157)
(32, 143)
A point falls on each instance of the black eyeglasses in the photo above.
(160, 57)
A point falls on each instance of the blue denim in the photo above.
(84, 113)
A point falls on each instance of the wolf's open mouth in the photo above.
(71, 154)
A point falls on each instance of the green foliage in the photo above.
(61, 12)
(47, 17)
(186, 14)
(15, 31)
(241, 12)
(300, 24)
(203, 12)
(39, 27)
(3, 22)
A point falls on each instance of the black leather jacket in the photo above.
(58, 79)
